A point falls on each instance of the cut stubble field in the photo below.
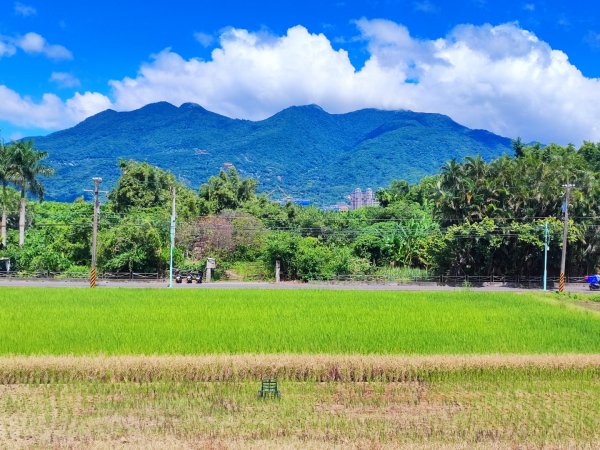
(180, 369)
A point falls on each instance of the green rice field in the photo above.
(188, 322)
(153, 368)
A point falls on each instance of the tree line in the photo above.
(474, 218)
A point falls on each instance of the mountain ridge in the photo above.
(303, 150)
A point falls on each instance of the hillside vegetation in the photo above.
(304, 150)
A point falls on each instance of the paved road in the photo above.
(573, 287)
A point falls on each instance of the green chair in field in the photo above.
(269, 388)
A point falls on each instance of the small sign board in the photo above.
(211, 263)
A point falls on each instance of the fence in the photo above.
(82, 275)
(517, 281)
(466, 280)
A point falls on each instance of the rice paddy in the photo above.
(193, 322)
(120, 368)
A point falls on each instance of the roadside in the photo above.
(373, 286)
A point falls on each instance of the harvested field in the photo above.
(474, 402)
(317, 368)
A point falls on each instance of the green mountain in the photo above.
(302, 151)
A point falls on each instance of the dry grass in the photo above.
(536, 413)
(322, 368)
(330, 401)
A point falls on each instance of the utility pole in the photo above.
(172, 239)
(563, 259)
(546, 247)
(97, 181)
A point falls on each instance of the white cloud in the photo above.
(425, 6)
(6, 48)
(529, 7)
(36, 43)
(501, 78)
(50, 112)
(250, 75)
(24, 10)
(33, 43)
(592, 39)
(65, 79)
(205, 39)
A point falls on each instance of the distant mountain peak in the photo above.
(193, 106)
(304, 108)
(324, 156)
(311, 106)
(157, 108)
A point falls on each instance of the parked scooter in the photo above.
(189, 278)
(199, 276)
(594, 282)
(178, 278)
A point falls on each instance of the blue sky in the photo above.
(519, 68)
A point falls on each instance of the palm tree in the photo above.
(4, 178)
(25, 166)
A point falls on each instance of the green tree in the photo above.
(135, 245)
(57, 239)
(142, 185)
(226, 191)
(518, 147)
(282, 246)
(25, 166)
(591, 154)
(397, 191)
(4, 179)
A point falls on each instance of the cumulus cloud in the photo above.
(205, 39)
(501, 78)
(6, 48)
(33, 43)
(250, 75)
(50, 112)
(65, 79)
(24, 10)
(36, 43)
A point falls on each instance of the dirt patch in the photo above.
(594, 306)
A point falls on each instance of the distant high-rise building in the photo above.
(359, 199)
